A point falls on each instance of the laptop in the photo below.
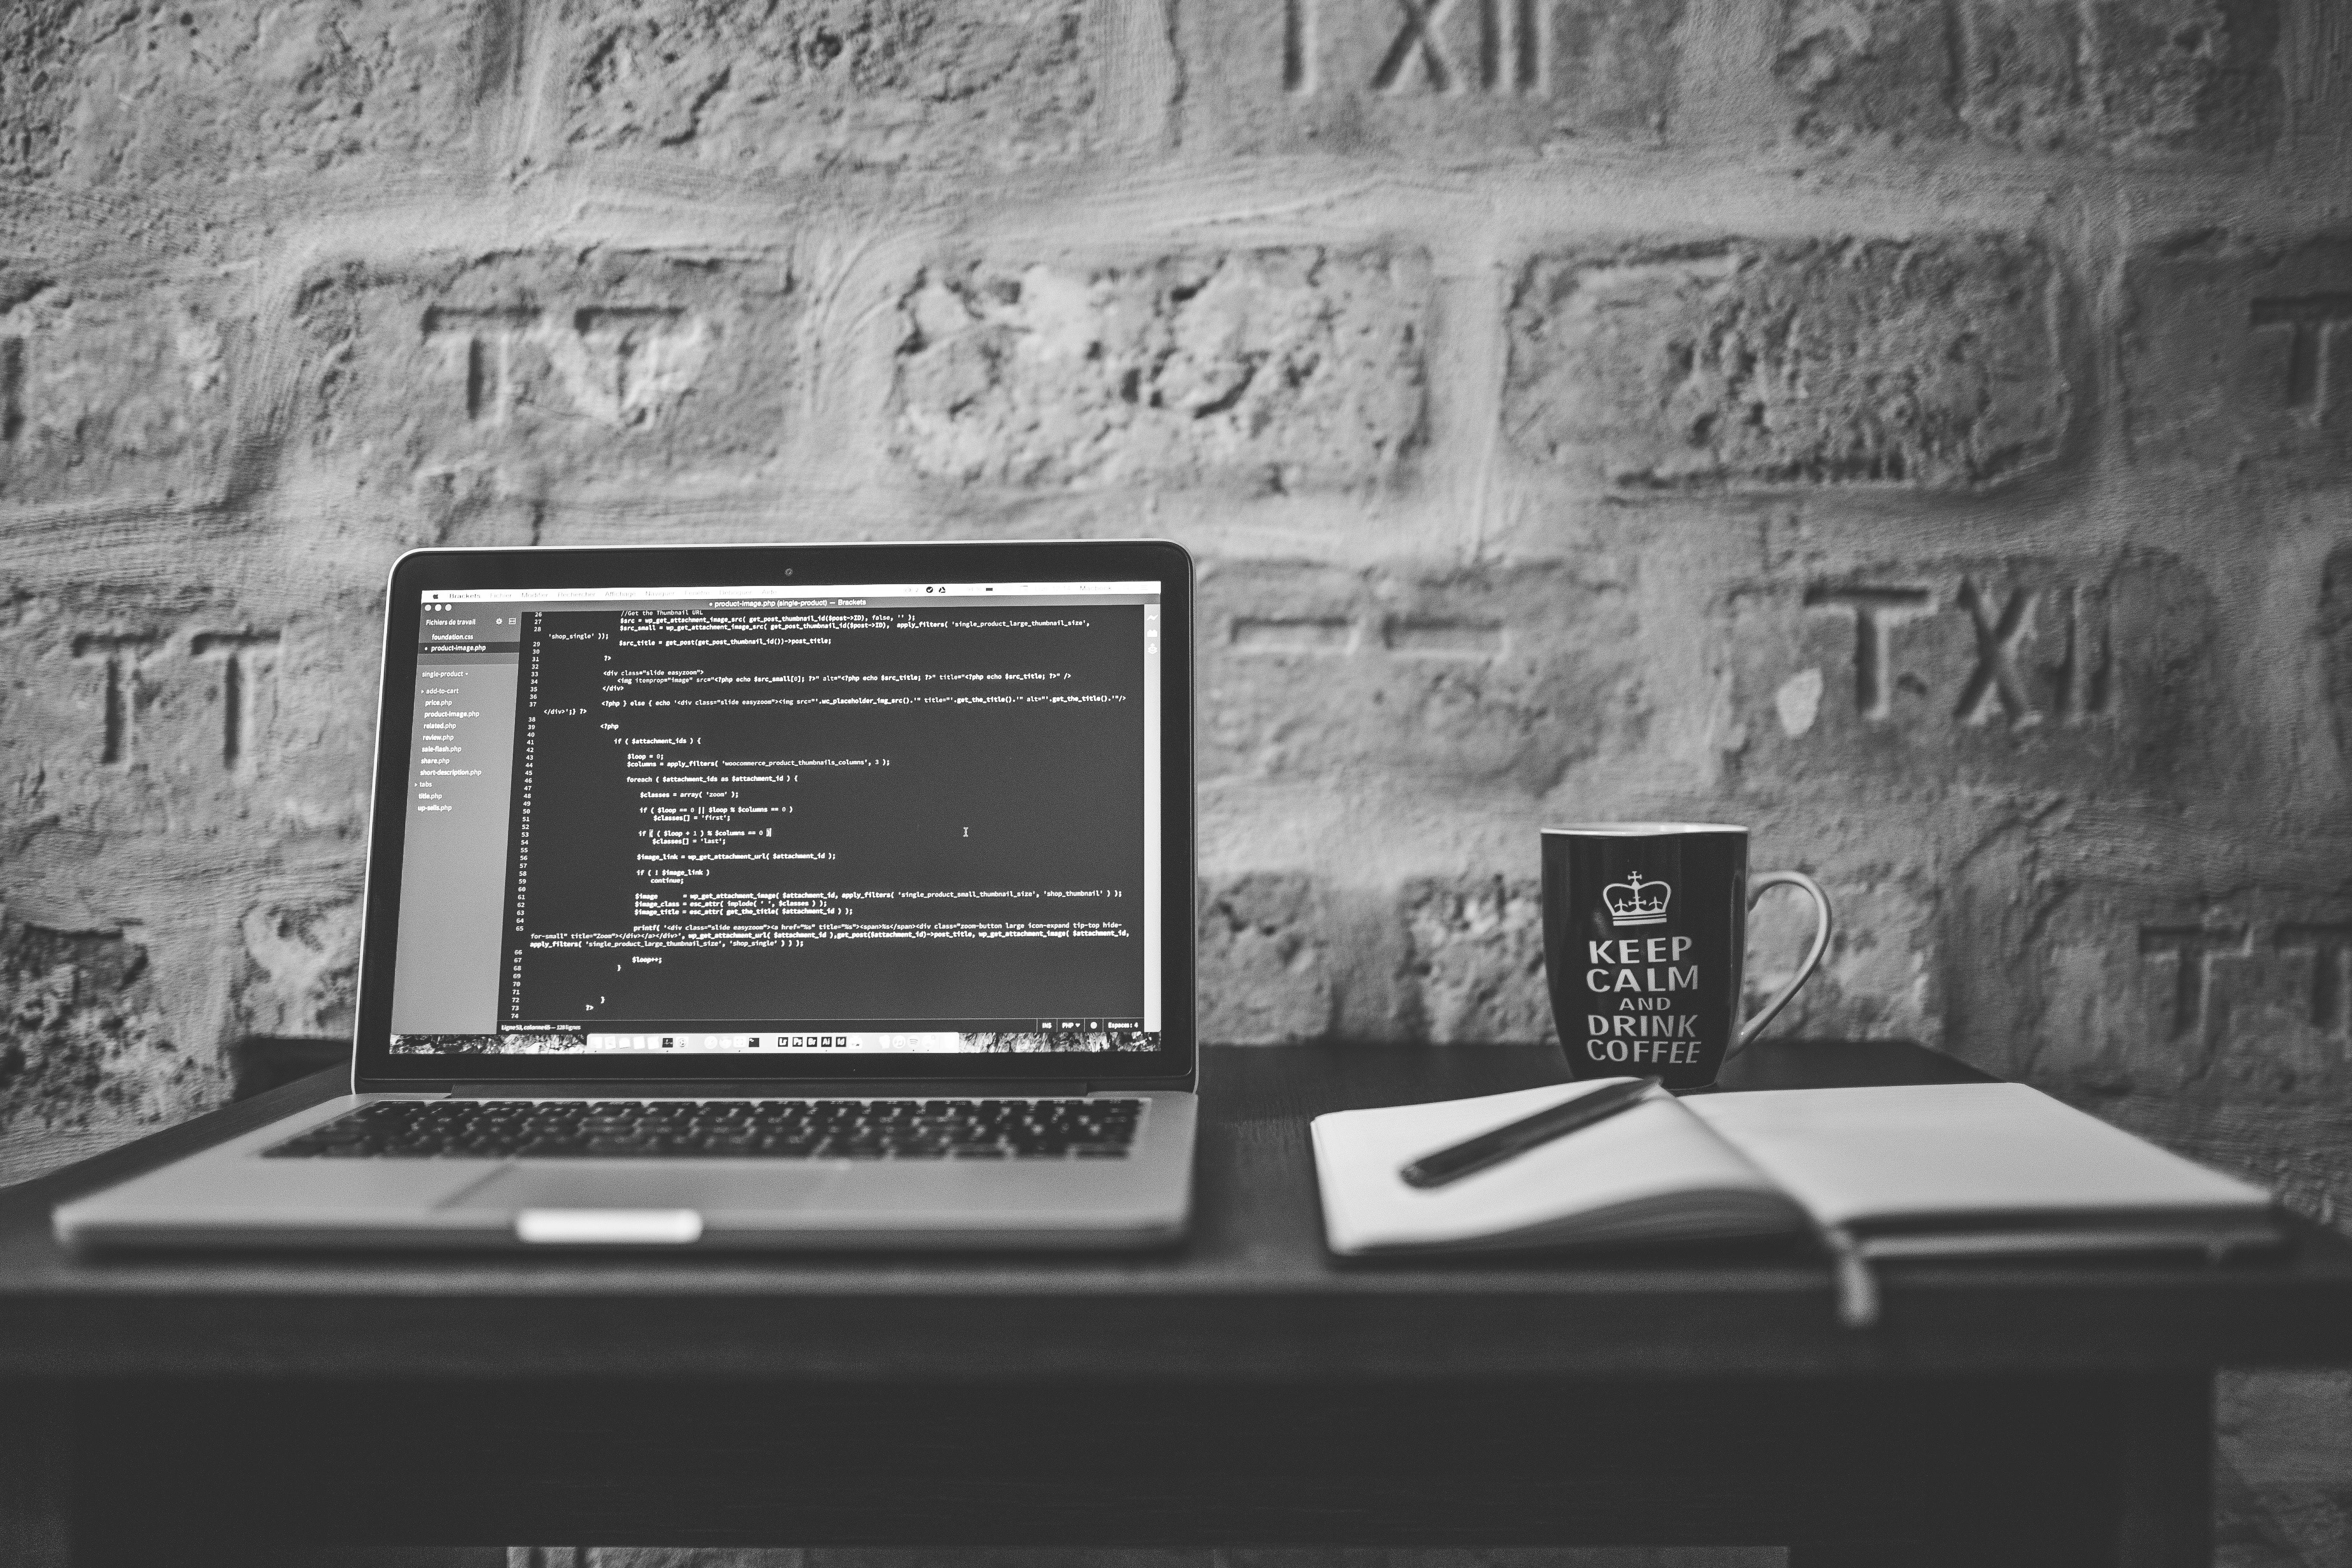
(760, 897)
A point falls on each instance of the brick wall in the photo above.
(1921, 429)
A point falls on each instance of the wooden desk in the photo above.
(1241, 1390)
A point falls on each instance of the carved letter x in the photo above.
(1995, 676)
(1418, 36)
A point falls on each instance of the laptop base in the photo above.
(232, 1197)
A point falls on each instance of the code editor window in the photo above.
(916, 818)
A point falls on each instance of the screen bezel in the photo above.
(375, 1067)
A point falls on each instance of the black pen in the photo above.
(1517, 1138)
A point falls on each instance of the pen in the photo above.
(1493, 1148)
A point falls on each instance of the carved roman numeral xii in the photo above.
(1428, 51)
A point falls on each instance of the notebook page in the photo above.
(1653, 1149)
(1926, 1150)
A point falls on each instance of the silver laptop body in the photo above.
(763, 897)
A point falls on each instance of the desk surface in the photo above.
(1251, 1294)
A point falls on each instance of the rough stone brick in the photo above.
(161, 89)
(2126, 75)
(135, 721)
(1875, 66)
(301, 962)
(170, 763)
(2097, 676)
(1279, 371)
(84, 1045)
(109, 392)
(1339, 77)
(1476, 960)
(1930, 364)
(2147, 957)
(816, 84)
(2235, 353)
(1878, 979)
(2182, 73)
(1478, 677)
(2192, 987)
(36, 65)
(1266, 973)
(2335, 630)
(448, 377)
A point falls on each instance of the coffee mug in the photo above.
(1645, 937)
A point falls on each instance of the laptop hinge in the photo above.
(849, 1088)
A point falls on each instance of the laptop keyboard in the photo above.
(725, 1129)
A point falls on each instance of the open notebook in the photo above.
(1918, 1169)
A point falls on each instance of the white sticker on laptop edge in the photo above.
(609, 1226)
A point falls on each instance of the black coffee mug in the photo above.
(1645, 937)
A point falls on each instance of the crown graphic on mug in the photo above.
(1633, 903)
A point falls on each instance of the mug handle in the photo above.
(1823, 925)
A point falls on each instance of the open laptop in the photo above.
(791, 896)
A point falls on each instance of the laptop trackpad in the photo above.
(704, 1191)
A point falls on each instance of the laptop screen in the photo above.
(911, 819)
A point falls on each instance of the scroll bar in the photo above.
(1152, 870)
